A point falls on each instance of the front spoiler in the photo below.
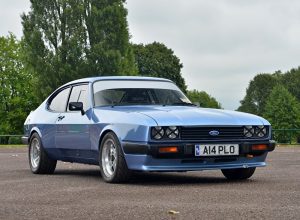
(194, 168)
(148, 163)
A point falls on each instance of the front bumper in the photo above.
(146, 157)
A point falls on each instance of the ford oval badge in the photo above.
(214, 133)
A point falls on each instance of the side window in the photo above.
(80, 94)
(59, 102)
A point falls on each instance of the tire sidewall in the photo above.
(239, 174)
(37, 137)
(116, 142)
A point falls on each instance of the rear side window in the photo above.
(59, 102)
(80, 94)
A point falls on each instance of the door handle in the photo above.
(60, 118)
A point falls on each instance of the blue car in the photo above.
(126, 124)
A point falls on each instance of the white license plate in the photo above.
(202, 150)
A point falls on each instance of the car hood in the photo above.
(186, 115)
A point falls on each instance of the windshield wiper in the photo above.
(183, 104)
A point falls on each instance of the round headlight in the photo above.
(261, 131)
(248, 131)
(172, 132)
(157, 132)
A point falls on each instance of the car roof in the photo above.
(101, 78)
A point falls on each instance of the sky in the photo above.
(222, 44)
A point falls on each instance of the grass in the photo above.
(288, 145)
(12, 146)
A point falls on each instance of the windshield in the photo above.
(167, 95)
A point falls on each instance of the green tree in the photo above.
(257, 93)
(157, 60)
(70, 39)
(16, 98)
(282, 110)
(291, 81)
(203, 99)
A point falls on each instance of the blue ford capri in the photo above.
(126, 124)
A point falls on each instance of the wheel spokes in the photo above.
(109, 156)
(35, 153)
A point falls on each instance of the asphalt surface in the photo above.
(78, 192)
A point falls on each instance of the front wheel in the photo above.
(39, 161)
(238, 174)
(112, 163)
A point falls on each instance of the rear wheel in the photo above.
(238, 174)
(112, 163)
(39, 161)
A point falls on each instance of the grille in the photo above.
(202, 133)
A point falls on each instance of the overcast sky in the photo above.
(222, 44)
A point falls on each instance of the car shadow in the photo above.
(79, 173)
(177, 179)
(154, 178)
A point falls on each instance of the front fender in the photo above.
(37, 130)
(124, 132)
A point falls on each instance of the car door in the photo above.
(55, 105)
(72, 128)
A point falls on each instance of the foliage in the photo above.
(282, 110)
(157, 60)
(291, 81)
(16, 99)
(70, 39)
(257, 93)
(14, 141)
(203, 99)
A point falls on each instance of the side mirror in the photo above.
(76, 106)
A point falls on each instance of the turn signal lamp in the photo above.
(168, 150)
(259, 147)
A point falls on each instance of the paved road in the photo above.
(78, 192)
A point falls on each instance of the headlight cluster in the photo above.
(259, 131)
(170, 132)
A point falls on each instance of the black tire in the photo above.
(238, 174)
(121, 173)
(44, 165)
